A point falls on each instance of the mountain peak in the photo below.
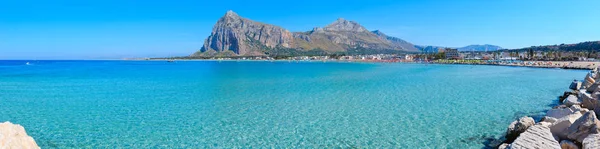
(342, 24)
(231, 14)
(378, 32)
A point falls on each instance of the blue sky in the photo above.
(76, 29)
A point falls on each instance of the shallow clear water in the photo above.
(208, 104)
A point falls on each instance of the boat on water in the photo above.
(27, 63)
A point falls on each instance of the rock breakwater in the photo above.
(572, 125)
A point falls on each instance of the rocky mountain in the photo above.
(485, 47)
(233, 35)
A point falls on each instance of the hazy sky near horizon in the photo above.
(99, 29)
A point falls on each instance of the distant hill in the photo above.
(485, 47)
(429, 49)
(577, 47)
(233, 35)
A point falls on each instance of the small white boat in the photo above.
(27, 63)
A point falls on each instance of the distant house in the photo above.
(408, 57)
(452, 54)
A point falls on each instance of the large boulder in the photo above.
(566, 144)
(519, 126)
(584, 126)
(537, 136)
(588, 81)
(572, 100)
(588, 100)
(559, 112)
(592, 141)
(567, 93)
(13, 136)
(561, 126)
(578, 108)
(576, 85)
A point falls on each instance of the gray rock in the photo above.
(559, 112)
(567, 93)
(566, 144)
(536, 137)
(585, 125)
(549, 119)
(592, 141)
(519, 126)
(561, 126)
(589, 101)
(572, 100)
(576, 85)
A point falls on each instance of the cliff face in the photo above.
(233, 35)
(245, 37)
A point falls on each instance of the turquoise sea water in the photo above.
(209, 104)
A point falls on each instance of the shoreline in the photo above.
(579, 65)
(541, 67)
(576, 65)
(573, 65)
(572, 124)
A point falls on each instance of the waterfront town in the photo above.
(529, 58)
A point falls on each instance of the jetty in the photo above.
(573, 124)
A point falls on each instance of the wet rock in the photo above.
(566, 144)
(584, 126)
(572, 100)
(561, 126)
(592, 141)
(13, 136)
(537, 136)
